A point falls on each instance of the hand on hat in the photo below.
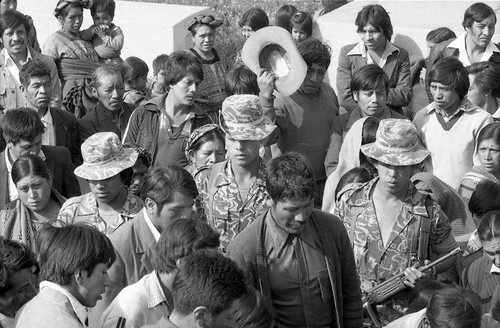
(265, 81)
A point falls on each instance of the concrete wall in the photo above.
(411, 21)
(150, 29)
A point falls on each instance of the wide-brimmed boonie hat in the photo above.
(104, 156)
(397, 144)
(273, 48)
(243, 119)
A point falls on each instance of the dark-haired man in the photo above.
(22, 130)
(206, 291)
(150, 299)
(16, 52)
(163, 124)
(300, 258)
(306, 118)
(74, 260)
(61, 127)
(168, 193)
(474, 45)
(449, 126)
(18, 267)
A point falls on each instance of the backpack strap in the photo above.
(214, 171)
(422, 250)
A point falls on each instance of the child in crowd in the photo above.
(157, 87)
(301, 26)
(106, 37)
(283, 16)
(135, 76)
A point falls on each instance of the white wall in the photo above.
(150, 29)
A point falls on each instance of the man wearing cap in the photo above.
(163, 124)
(233, 191)
(22, 130)
(307, 117)
(14, 28)
(61, 127)
(107, 166)
(388, 219)
(450, 125)
(168, 193)
(300, 258)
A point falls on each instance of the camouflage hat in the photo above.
(243, 119)
(397, 144)
(104, 156)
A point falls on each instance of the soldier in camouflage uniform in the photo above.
(234, 191)
(390, 224)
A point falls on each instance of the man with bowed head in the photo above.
(299, 257)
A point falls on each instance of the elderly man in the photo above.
(307, 117)
(162, 125)
(16, 52)
(168, 193)
(474, 45)
(61, 127)
(300, 258)
(22, 130)
(111, 114)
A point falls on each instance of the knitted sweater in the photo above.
(247, 250)
(452, 151)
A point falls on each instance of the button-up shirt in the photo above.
(13, 70)
(151, 226)
(459, 43)
(301, 288)
(49, 134)
(85, 209)
(360, 49)
(79, 308)
(139, 304)
(230, 214)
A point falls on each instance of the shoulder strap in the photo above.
(425, 230)
(214, 171)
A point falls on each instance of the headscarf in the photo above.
(348, 159)
(61, 4)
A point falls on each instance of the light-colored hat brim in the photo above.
(102, 171)
(290, 78)
(257, 132)
(396, 157)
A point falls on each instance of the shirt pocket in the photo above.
(324, 285)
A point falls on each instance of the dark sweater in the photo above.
(247, 250)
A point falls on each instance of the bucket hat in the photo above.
(243, 119)
(273, 48)
(396, 144)
(104, 156)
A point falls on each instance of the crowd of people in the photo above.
(253, 196)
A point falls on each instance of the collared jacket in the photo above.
(144, 124)
(226, 212)
(98, 120)
(247, 250)
(9, 90)
(397, 69)
(67, 135)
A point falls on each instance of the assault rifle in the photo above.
(391, 286)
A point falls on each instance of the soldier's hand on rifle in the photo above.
(413, 274)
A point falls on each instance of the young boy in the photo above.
(106, 37)
(156, 86)
(301, 26)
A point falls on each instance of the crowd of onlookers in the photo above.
(251, 196)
